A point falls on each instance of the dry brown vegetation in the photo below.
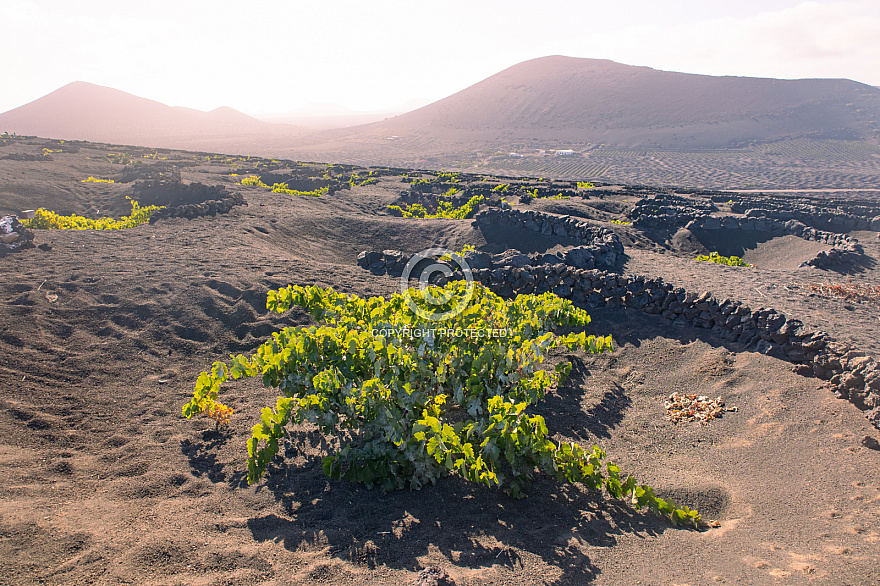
(859, 292)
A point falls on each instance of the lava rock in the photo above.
(870, 443)
(433, 576)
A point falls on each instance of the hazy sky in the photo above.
(274, 56)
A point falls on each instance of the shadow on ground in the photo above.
(471, 526)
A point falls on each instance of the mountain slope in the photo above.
(541, 102)
(91, 112)
(590, 100)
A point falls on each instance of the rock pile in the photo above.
(13, 235)
(833, 259)
(433, 576)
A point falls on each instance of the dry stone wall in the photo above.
(836, 214)
(775, 227)
(851, 374)
(393, 262)
(845, 252)
(604, 245)
(209, 207)
(669, 210)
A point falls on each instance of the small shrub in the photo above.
(406, 408)
(465, 248)
(282, 188)
(415, 210)
(528, 196)
(444, 209)
(118, 158)
(48, 220)
(356, 181)
(733, 261)
(253, 181)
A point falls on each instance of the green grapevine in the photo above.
(465, 248)
(411, 400)
(282, 188)
(445, 209)
(118, 158)
(255, 181)
(733, 261)
(357, 181)
(48, 220)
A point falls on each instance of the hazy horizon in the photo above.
(378, 56)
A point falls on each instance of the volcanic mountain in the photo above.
(541, 102)
(86, 111)
(592, 100)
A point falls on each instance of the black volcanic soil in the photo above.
(104, 482)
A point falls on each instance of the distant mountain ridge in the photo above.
(549, 100)
(85, 111)
(592, 100)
